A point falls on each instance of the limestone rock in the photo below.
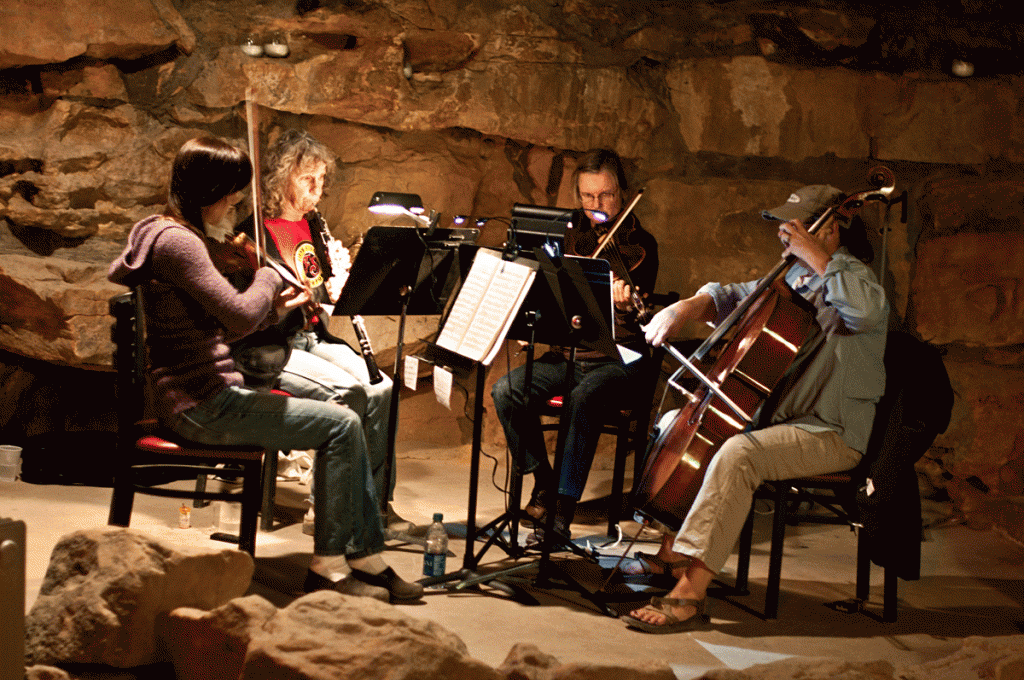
(211, 645)
(970, 260)
(107, 591)
(46, 673)
(643, 669)
(46, 318)
(54, 32)
(807, 669)
(997, 658)
(528, 662)
(326, 635)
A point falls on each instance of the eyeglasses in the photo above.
(602, 197)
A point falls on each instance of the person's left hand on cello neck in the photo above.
(814, 250)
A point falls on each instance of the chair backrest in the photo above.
(128, 334)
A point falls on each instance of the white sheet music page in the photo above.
(486, 305)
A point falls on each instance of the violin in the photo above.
(623, 258)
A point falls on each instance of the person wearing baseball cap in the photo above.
(806, 204)
(822, 421)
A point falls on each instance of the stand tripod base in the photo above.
(471, 580)
(559, 575)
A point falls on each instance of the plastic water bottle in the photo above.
(436, 550)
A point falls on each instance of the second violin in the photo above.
(622, 245)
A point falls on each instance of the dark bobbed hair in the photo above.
(854, 235)
(205, 170)
(597, 160)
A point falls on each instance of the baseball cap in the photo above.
(805, 203)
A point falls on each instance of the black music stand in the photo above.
(405, 270)
(561, 308)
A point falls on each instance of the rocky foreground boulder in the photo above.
(107, 593)
(128, 605)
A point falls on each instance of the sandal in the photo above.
(645, 561)
(673, 624)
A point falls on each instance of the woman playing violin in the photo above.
(822, 421)
(193, 312)
(602, 385)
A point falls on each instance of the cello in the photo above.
(736, 369)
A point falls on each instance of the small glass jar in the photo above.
(251, 46)
(276, 45)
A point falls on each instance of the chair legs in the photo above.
(122, 500)
(779, 493)
(771, 603)
(269, 490)
(622, 447)
(252, 472)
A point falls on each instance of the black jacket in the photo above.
(915, 408)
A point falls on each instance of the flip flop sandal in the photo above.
(667, 568)
(673, 624)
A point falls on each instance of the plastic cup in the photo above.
(10, 462)
(229, 517)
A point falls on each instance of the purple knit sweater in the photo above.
(192, 312)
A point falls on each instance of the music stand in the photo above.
(404, 270)
(562, 309)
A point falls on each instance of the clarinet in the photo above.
(364, 346)
(316, 221)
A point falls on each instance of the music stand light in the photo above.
(410, 205)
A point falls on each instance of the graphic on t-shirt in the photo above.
(307, 264)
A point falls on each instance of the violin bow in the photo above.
(637, 300)
(622, 218)
(252, 115)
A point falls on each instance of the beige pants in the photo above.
(716, 519)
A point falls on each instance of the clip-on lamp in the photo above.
(537, 226)
(410, 205)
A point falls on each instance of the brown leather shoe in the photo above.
(400, 590)
(346, 586)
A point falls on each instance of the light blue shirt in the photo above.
(846, 376)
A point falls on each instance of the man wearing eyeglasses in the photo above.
(603, 385)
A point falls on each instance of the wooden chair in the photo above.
(629, 427)
(915, 408)
(148, 457)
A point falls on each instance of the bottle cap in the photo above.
(438, 516)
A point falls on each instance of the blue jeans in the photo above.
(347, 511)
(328, 371)
(600, 388)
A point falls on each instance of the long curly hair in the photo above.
(204, 171)
(291, 151)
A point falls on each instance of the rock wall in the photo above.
(719, 109)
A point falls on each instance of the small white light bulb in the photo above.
(964, 69)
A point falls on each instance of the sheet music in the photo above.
(443, 386)
(486, 305)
